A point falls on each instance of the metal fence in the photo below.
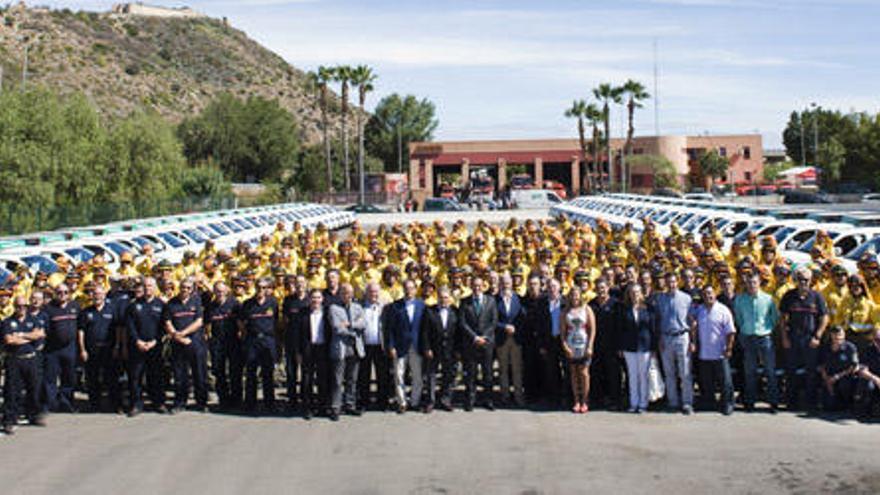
(23, 218)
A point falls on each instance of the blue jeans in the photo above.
(759, 350)
(677, 368)
(801, 356)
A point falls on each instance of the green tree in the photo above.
(773, 170)
(634, 93)
(831, 160)
(663, 170)
(252, 140)
(363, 78)
(607, 94)
(594, 117)
(396, 122)
(205, 180)
(342, 75)
(714, 165)
(578, 110)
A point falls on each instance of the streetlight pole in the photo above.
(803, 143)
(399, 148)
(815, 133)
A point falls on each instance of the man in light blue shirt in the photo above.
(676, 344)
(756, 317)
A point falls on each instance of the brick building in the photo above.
(559, 160)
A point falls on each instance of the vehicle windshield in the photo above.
(172, 240)
(79, 254)
(807, 246)
(782, 233)
(195, 235)
(40, 263)
(872, 246)
(5, 275)
(680, 221)
(117, 248)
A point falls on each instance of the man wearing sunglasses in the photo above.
(257, 325)
(804, 319)
(182, 322)
(19, 332)
(61, 350)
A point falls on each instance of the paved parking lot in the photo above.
(479, 452)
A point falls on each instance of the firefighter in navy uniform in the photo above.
(61, 334)
(183, 323)
(97, 344)
(19, 332)
(143, 320)
(221, 314)
(257, 324)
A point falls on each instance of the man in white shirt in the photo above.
(314, 340)
(376, 361)
(713, 324)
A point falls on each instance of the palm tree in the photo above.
(594, 116)
(606, 93)
(362, 77)
(342, 75)
(318, 82)
(634, 93)
(578, 110)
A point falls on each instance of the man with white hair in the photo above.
(375, 360)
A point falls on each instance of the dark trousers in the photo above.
(21, 374)
(474, 356)
(712, 373)
(102, 374)
(867, 396)
(532, 372)
(291, 367)
(375, 361)
(800, 371)
(149, 364)
(345, 374)
(553, 373)
(444, 365)
(757, 350)
(840, 397)
(316, 378)
(227, 364)
(60, 368)
(190, 359)
(260, 353)
(606, 378)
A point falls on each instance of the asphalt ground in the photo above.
(506, 451)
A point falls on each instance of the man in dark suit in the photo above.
(402, 342)
(479, 318)
(530, 332)
(509, 338)
(438, 341)
(314, 341)
(549, 315)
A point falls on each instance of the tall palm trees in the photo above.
(362, 77)
(594, 116)
(607, 94)
(634, 93)
(578, 110)
(342, 75)
(318, 81)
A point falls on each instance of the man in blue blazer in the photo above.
(402, 342)
(509, 340)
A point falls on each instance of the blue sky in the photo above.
(508, 69)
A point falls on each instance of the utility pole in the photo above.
(815, 133)
(803, 142)
(399, 148)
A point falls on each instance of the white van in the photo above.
(535, 198)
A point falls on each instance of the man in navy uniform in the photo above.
(257, 324)
(97, 341)
(295, 302)
(226, 353)
(183, 320)
(61, 350)
(19, 332)
(143, 320)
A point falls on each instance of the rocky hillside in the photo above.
(124, 62)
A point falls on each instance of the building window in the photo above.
(747, 152)
(639, 151)
(748, 176)
(722, 151)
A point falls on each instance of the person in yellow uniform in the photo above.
(58, 277)
(147, 262)
(836, 292)
(126, 266)
(859, 314)
(314, 275)
(6, 307)
(188, 267)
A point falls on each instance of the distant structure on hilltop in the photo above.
(154, 11)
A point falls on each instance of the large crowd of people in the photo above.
(523, 315)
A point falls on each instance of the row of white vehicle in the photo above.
(170, 236)
(853, 233)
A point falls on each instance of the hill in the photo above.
(175, 65)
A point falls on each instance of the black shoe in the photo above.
(37, 421)
(774, 409)
(161, 409)
(428, 408)
(334, 416)
(749, 408)
(353, 412)
(401, 409)
(468, 407)
(307, 414)
(490, 406)
(446, 407)
(201, 408)
(135, 411)
(727, 410)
